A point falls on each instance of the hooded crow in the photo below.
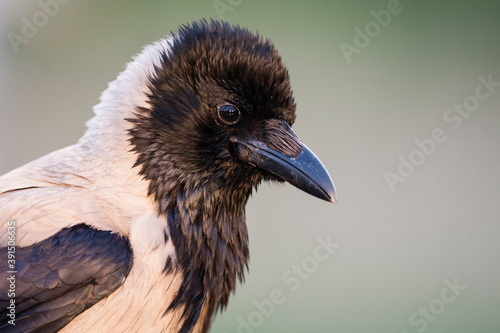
(140, 226)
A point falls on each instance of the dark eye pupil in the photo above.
(229, 114)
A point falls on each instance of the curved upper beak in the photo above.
(304, 171)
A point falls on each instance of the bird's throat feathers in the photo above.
(210, 236)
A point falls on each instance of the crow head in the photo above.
(218, 123)
(220, 116)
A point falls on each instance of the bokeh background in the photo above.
(396, 247)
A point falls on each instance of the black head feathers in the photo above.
(208, 65)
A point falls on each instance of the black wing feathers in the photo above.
(61, 276)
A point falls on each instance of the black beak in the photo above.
(304, 171)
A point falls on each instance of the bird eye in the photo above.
(228, 113)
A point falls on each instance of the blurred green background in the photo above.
(361, 117)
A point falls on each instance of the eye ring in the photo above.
(228, 113)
